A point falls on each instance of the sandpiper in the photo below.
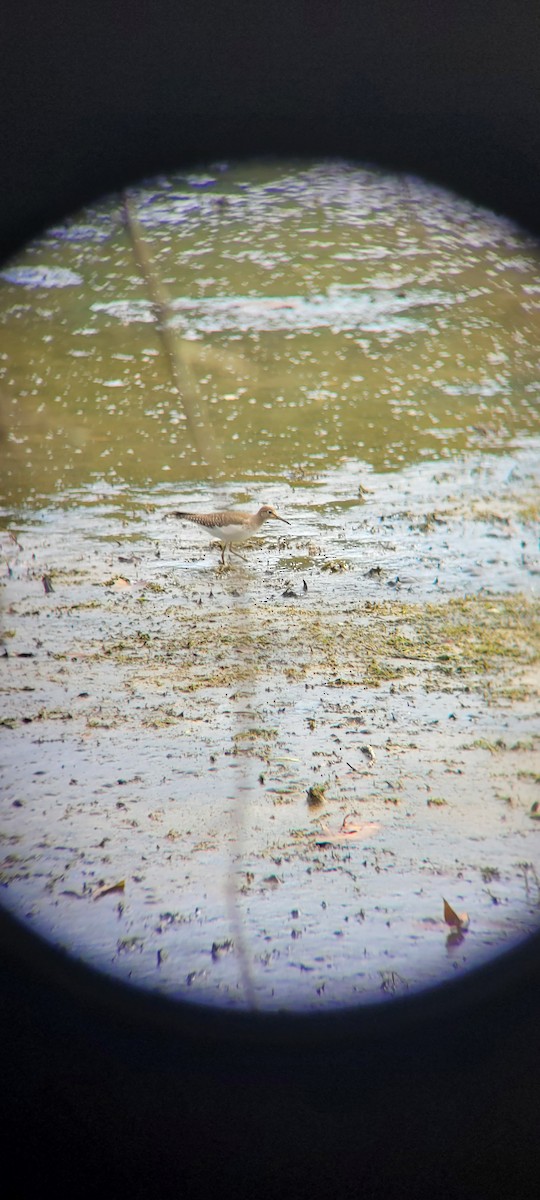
(231, 527)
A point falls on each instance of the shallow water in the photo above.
(320, 311)
(361, 351)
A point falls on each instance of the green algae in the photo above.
(480, 639)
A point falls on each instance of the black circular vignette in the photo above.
(105, 1087)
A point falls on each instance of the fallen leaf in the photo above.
(104, 890)
(455, 937)
(458, 921)
(352, 830)
(354, 825)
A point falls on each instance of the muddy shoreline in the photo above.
(254, 787)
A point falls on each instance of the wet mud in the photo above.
(256, 786)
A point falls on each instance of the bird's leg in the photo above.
(237, 554)
(223, 554)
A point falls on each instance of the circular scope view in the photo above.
(269, 528)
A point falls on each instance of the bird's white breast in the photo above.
(231, 533)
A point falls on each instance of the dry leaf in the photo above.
(109, 887)
(352, 825)
(455, 937)
(352, 830)
(459, 921)
(121, 583)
